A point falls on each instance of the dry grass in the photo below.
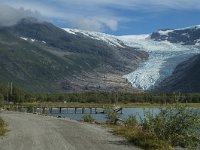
(2, 127)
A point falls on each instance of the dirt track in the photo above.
(36, 132)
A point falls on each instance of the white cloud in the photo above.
(112, 24)
(10, 16)
(92, 24)
(99, 14)
(87, 24)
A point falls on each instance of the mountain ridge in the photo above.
(46, 58)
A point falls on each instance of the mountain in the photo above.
(184, 36)
(39, 56)
(185, 77)
(169, 66)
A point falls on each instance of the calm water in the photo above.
(126, 112)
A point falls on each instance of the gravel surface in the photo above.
(36, 132)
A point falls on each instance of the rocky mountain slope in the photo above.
(41, 57)
(184, 36)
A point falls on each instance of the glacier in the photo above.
(163, 59)
(163, 56)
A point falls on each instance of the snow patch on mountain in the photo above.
(111, 40)
(23, 38)
(71, 31)
(31, 40)
(191, 27)
(165, 32)
(28, 39)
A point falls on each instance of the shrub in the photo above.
(111, 116)
(171, 127)
(176, 125)
(131, 121)
(30, 109)
(88, 118)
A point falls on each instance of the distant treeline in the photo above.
(19, 96)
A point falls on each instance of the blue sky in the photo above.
(118, 17)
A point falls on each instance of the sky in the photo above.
(117, 17)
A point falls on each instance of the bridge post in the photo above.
(43, 110)
(34, 109)
(60, 110)
(50, 110)
(83, 110)
(75, 109)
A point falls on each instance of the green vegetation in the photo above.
(30, 109)
(126, 99)
(171, 127)
(131, 121)
(2, 127)
(22, 97)
(111, 116)
(88, 118)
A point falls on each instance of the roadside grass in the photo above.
(88, 118)
(2, 127)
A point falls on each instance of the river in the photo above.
(126, 112)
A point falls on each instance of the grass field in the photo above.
(128, 105)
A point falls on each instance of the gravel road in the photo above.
(36, 132)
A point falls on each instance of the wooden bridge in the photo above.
(62, 109)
